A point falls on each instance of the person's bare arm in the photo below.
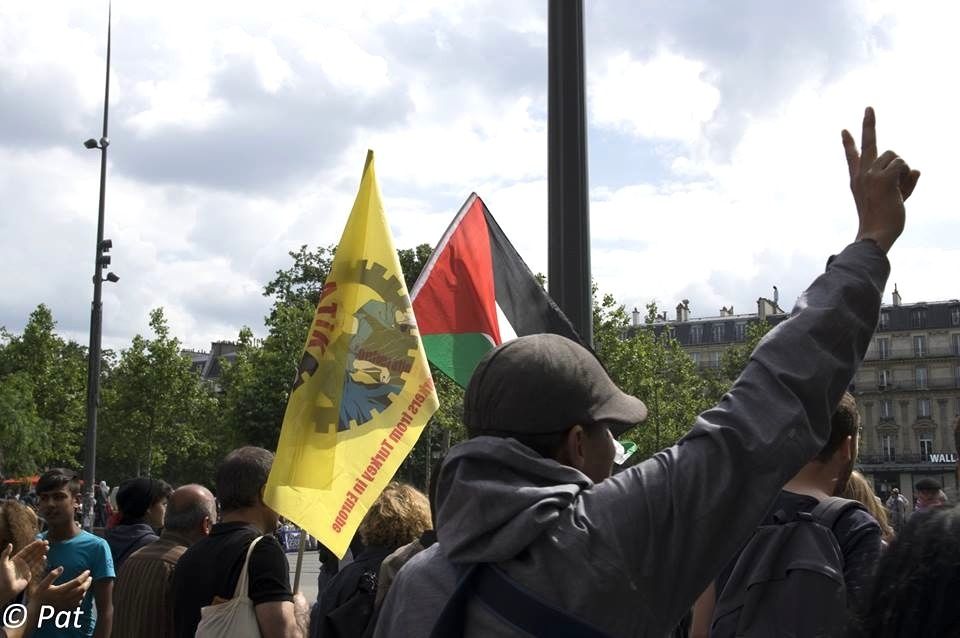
(282, 619)
(703, 612)
(103, 595)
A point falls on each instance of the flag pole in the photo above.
(303, 545)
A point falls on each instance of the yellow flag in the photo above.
(363, 391)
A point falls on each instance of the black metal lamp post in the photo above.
(568, 226)
(96, 311)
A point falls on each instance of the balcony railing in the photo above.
(903, 459)
(930, 384)
(910, 353)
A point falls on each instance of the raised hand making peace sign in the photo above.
(880, 185)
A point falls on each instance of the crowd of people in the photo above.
(754, 524)
(169, 561)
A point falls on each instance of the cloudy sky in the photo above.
(239, 131)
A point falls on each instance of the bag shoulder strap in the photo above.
(829, 510)
(243, 588)
(512, 603)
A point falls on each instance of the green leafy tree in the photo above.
(734, 360)
(412, 261)
(444, 430)
(654, 368)
(301, 283)
(55, 371)
(21, 428)
(158, 415)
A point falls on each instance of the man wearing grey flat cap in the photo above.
(534, 535)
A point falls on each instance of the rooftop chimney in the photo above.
(683, 310)
(765, 307)
(896, 296)
(636, 317)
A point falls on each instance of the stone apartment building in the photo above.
(208, 364)
(706, 338)
(908, 388)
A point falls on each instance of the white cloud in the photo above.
(463, 112)
(665, 97)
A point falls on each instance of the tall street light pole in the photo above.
(568, 227)
(96, 309)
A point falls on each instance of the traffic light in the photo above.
(104, 259)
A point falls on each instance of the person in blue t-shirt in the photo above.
(75, 550)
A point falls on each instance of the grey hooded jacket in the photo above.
(630, 555)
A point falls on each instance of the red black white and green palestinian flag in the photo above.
(476, 292)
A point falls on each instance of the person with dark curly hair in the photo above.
(142, 503)
(917, 582)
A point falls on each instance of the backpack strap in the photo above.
(453, 614)
(829, 510)
(514, 604)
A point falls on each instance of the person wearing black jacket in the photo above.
(142, 503)
(345, 609)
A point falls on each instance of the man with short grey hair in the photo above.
(242, 542)
(143, 597)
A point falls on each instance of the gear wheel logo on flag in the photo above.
(377, 344)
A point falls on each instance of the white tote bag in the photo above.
(234, 618)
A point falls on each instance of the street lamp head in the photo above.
(91, 143)
(112, 278)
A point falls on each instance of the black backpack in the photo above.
(788, 580)
(354, 617)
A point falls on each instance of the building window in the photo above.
(741, 331)
(926, 446)
(921, 377)
(889, 448)
(717, 332)
(955, 340)
(919, 346)
(923, 408)
(884, 320)
(696, 357)
(886, 409)
(883, 348)
(884, 378)
(956, 379)
(955, 316)
(713, 359)
(918, 318)
(696, 334)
